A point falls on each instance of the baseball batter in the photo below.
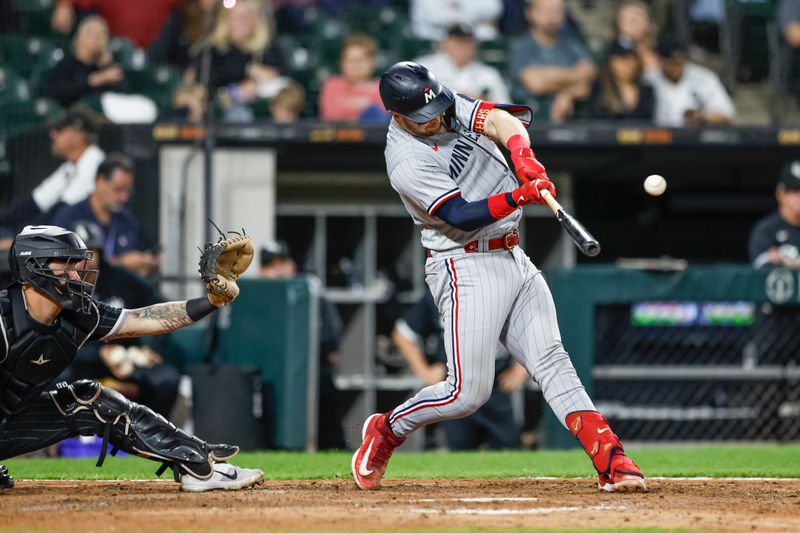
(443, 161)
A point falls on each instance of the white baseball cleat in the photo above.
(225, 477)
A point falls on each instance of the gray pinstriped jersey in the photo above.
(427, 172)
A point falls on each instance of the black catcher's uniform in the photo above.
(33, 354)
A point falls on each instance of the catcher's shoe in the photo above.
(369, 461)
(225, 477)
(6, 481)
(623, 476)
(221, 453)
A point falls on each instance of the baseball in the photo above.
(655, 185)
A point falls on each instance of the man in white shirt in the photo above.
(73, 139)
(686, 94)
(455, 66)
(430, 20)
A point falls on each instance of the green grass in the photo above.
(714, 461)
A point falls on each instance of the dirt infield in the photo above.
(714, 505)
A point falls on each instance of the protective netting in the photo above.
(689, 371)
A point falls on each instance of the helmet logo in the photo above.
(25, 253)
(429, 95)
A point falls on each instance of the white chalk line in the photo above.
(533, 478)
(536, 510)
(477, 500)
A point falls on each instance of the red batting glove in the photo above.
(530, 192)
(527, 167)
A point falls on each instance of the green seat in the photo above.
(23, 53)
(126, 55)
(35, 16)
(156, 82)
(494, 53)
(754, 8)
(13, 88)
(380, 23)
(21, 115)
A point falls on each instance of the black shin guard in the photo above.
(6, 481)
(134, 428)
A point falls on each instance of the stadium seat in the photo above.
(380, 23)
(35, 16)
(156, 82)
(20, 115)
(126, 55)
(13, 87)
(23, 53)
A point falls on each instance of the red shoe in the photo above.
(623, 476)
(369, 461)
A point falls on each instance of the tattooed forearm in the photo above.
(154, 319)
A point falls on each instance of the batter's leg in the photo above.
(474, 294)
(533, 338)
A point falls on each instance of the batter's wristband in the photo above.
(197, 308)
(516, 143)
(501, 205)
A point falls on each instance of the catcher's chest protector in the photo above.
(32, 354)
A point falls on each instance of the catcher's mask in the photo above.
(31, 257)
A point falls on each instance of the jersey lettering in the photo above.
(461, 153)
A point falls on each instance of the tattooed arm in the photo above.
(161, 318)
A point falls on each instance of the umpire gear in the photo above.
(413, 91)
(35, 247)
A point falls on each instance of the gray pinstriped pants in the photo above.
(483, 297)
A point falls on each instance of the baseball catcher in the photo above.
(47, 314)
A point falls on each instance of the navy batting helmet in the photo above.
(413, 91)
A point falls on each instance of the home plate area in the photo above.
(404, 504)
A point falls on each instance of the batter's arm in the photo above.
(504, 128)
(161, 318)
(410, 350)
(501, 126)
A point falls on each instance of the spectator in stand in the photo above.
(188, 103)
(245, 61)
(349, 96)
(457, 67)
(431, 20)
(632, 20)
(107, 207)
(775, 239)
(619, 92)
(686, 94)
(138, 20)
(277, 263)
(177, 42)
(287, 106)
(789, 21)
(550, 71)
(73, 138)
(89, 70)
(134, 368)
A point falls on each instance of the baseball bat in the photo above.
(580, 235)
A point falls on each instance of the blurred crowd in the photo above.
(287, 60)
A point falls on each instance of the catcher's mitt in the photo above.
(221, 263)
